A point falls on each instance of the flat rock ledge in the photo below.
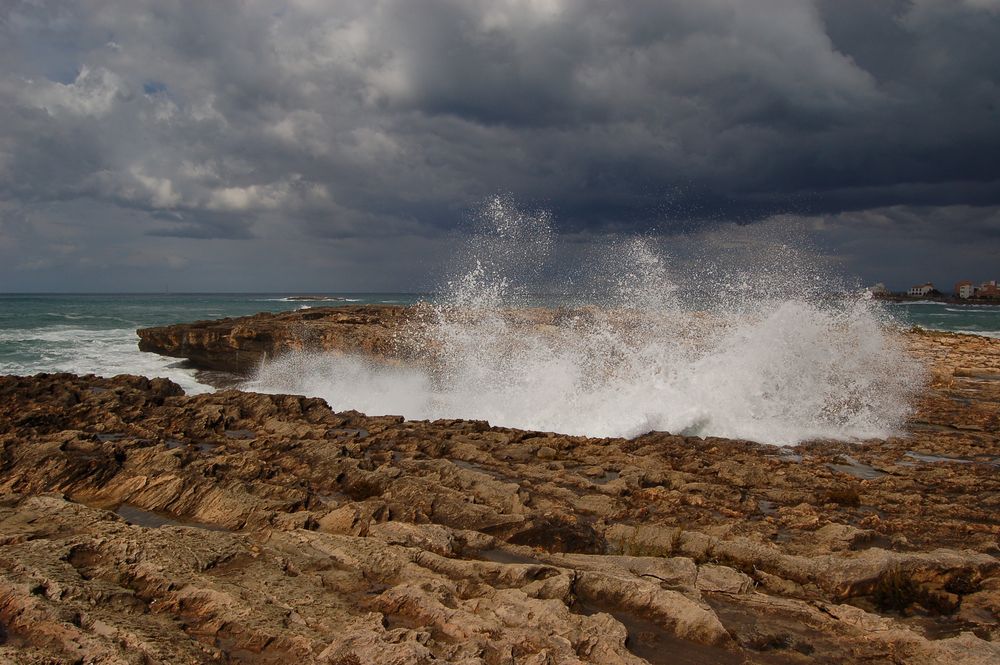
(239, 345)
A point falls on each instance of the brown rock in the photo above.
(239, 345)
(141, 525)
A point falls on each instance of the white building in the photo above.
(921, 290)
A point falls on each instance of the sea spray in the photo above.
(763, 354)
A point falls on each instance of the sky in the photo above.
(318, 145)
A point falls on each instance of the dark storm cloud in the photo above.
(905, 245)
(208, 225)
(305, 119)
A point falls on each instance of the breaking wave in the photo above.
(738, 343)
(101, 351)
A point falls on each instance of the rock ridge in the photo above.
(239, 345)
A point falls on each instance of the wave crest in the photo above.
(750, 362)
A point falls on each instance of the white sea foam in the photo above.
(982, 333)
(966, 309)
(770, 361)
(105, 352)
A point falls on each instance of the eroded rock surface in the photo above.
(140, 525)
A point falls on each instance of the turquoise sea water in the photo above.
(974, 318)
(96, 333)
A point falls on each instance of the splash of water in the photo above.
(762, 357)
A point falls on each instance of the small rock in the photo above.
(546, 453)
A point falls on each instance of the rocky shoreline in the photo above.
(141, 525)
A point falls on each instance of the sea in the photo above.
(772, 378)
(95, 333)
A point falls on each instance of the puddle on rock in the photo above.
(783, 536)
(853, 467)
(786, 454)
(505, 557)
(200, 446)
(145, 518)
(767, 507)
(657, 645)
(771, 637)
(356, 432)
(873, 541)
(921, 425)
(931, 626)
(152, 520)
(978, 376)
(112, 436)
(931, 459)
(941, 627)
(242, 434)
(605, 478)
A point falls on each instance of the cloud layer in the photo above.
(328, 131)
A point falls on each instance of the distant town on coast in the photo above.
(965, 290)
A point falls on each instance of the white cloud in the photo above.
(94, 92)
(301, 129)
(159, 192)
(290, 194)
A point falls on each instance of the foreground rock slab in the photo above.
(140, 525)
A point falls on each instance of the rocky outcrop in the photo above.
(239, 345)
(384, 333)
(140, 525)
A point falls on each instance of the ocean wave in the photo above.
(966, 309)
(758, 366)
(105, 352)
(995, 334)
(314, 299)
(75, 316)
